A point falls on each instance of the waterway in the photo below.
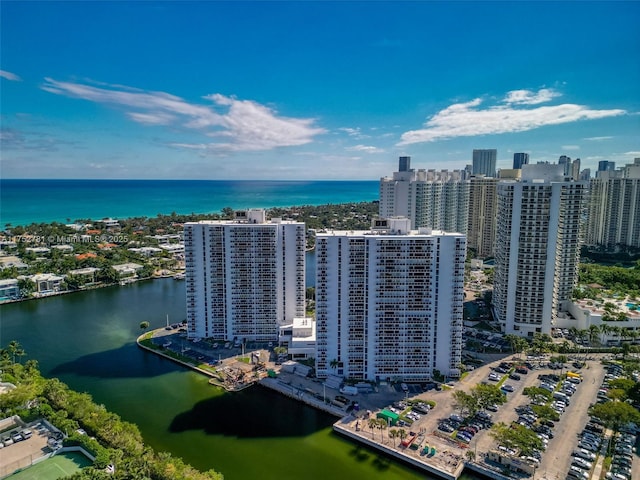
(87, 339)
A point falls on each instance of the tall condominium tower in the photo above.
(244, 278)
(484, 162)
(566, 165)
(605, 165)
(614, 208)
(537, 248)
(520, 159)
(389, 302)
(429, 198)
(483, 205)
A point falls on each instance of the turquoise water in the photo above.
(27, 201)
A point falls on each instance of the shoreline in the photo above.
(443, 464)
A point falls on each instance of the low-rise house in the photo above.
(11, 261)
(128, 270)
(38, 250)
(88, 273)
(63, 248)
(47, 283)
(174, 248)
(9, 290)
(146, 251)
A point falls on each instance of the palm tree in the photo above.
(402, 434)
(594, 331)
(13, 349)
(573, 332)
(615, 332)
(471, 455)
(333, 364)
(373, 423)
(393, 433)
(605, 330)
(512, 339)
(382, 424)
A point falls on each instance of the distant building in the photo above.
(429, 198)
(520, 159)
(606, 166)
(585, 174)
(389, 302)
(484, 162)
(245, 278)
(614, 208)
(537, 248)
(483, 205)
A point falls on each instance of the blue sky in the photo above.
(312, 90)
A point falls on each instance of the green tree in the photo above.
(144, 325)
(465, 402)
(615, 414)
(487, 395)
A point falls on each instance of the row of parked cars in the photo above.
(622, 456)
(465, 428)
(15, 436)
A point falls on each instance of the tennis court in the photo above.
(59, 466)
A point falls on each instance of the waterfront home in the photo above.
(127, 270)
(47, 283)
(9, 289)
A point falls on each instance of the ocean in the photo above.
(23, 202)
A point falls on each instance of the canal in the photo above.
(87, 340)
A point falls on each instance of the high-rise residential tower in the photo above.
(389, 302)
(429, 198)
(483, 205)
(606, 166)
(614, 208)
(537, 248)
(520, 159)
(484, 162)
(244, 278)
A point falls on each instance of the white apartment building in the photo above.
(429, 198)
(389, 302)
(244, 278)
(614, 208)
(537, 248)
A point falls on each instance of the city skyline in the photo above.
(311, 90)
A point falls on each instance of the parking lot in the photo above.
(22, 453)
(557, 458)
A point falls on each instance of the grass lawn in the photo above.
(53, 468)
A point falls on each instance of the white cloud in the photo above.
(633, 154)
(527, 97)
(10, 76)
(151, 118)
(570, 147)
(354, 132)
(598, 139)
(466, 120)
(365, 148)
(244, 125)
